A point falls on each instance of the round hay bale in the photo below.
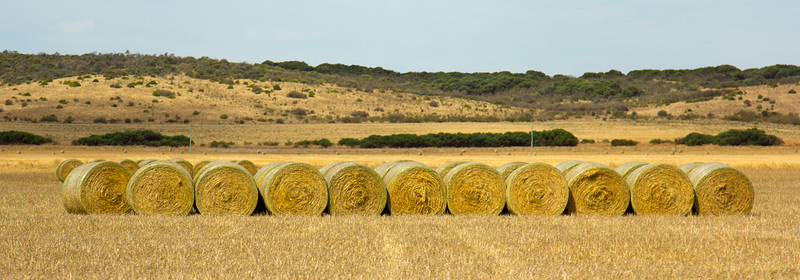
(536, 189)
(63, 168)
(687, 168)
(259, 176)
(442, 170)
(225, 188)
(566, 166)
(628, 167)
(660, 189)
(507, 168)
(596, 189)
(325, 168)
(129, 164)
(98, 160)
(721, 190)
(414, 188)
(294, 188)
(161, 188)
(249, 165)
(144, 162)
(185, 164)
(97, 187)
(198, 165)
(475, 188)
(385, 167)
(354, 188)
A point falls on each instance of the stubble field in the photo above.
(40, 240)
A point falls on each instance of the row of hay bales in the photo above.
(177, 187)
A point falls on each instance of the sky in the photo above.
(555, 37)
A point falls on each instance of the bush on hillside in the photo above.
(12, 137)
(133, 137)
(733, 137)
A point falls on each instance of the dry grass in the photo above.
(40, 240)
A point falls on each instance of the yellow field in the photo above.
(40, 240)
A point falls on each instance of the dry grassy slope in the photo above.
(215, 99)
(784, 103)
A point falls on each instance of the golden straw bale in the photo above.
(259, 176)
(721, 190)
(249, 165)
(199, 165)
(628, 167)
(566, 166)
(354, 188)
(63, 168)
(97, 187)
(325, 169)
(661, 189)
(385, 167)
(442, 170)
(536, 189)
(690, 166)
(507, 168)
(129, 164)
(225, 188)
(294, 188)
(475, 188)
(596, 189)
(414, 188)
(144, 162)
(185, 164)
(161, 188)
(98, 160)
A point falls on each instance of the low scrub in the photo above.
(556, 137)
(12, 137)
(133, 137)
(623, 142)
(733, 137)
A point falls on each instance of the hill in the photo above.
(135, 88)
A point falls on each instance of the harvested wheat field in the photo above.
(41, 240)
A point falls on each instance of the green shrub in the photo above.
(661, 141)
(223, 116)
(556, 137)
(12, 137)
(296, 94)
(195, 113)
(276, 87)
(74, 84)
(50, 118)
(587, 141)
(623, 142)
(792, 91)
(221, 144)
(134, 137)
(100, 120)
(733, 137)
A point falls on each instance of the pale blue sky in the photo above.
(556, 37)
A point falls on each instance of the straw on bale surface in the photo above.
(596, 189)
(185, 164)
(442, 170)
(385, 167)
(97, 187)
(536, 189)
(354, 188)
(144, 162)
(475, 188)
(294, 188)
(259, 176)
(687, 168)
(129, 164)
(628, 167)
(507, 168)
(414, 188)
(225, 188)
(249, 165)
(660, 189)
(566, 166)
(63, 168)
(98, 160)
(721, 190)
(325, 169)
(199, 165)
(161, 188)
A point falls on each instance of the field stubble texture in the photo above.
(41, 240)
